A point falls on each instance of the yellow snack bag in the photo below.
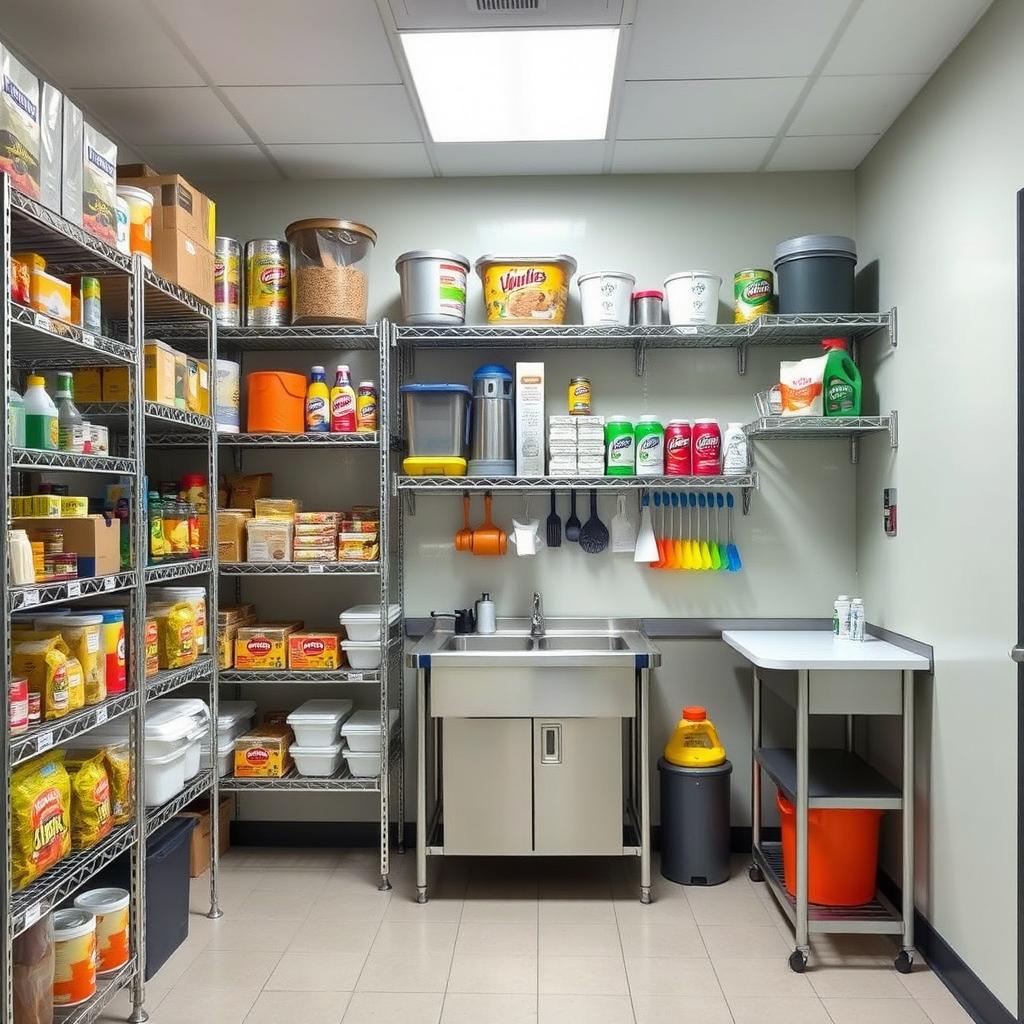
(176, 634)
(44, 664)
(119, 773)
(40, 817)
(76, 684)
(91, 817)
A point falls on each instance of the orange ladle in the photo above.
(488, 538)
(464, 537)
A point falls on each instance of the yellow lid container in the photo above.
(695, 742)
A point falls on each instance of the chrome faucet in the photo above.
(537, 617)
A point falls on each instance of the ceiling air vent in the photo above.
(506, 6)
(452, 15)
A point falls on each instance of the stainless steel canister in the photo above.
(647, 307)
(268, 287)
(227, 281)
(433, 286)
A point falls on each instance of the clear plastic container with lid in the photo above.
(330, 268)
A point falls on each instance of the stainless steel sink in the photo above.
(515, 642)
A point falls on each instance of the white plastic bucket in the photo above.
(317, 761)
(74, 945)
(110, 907)
(692, 297)
(140, 221)
(234, 717)
(605, 297)
(226, 392)
(317, 723)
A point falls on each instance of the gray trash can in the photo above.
(695, 823)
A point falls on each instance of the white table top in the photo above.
(817, 649)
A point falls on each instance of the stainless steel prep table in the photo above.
(833, 779)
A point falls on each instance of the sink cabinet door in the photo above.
(488, 785)
(577, 793)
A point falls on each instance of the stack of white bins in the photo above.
(233, 718)
(362, 736)
(362, 626)
(317, 725)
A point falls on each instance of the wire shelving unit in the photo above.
(835, 428)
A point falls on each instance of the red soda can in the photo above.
(707, 448)
(677, 448)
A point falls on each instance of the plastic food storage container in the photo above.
(814, 274)
(225, 759)
(362, 653)
(433, 286)
(140, 221)
(362, 730)
(234, 717)
(317, 722)
(165, 776)
(605, 297)
(362, 766)
(526, 289)
(438, 427)
(692, 297)
(362, 621)
(317, 761)
(330, 266)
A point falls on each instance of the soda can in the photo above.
(677, 448)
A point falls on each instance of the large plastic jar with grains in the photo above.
(330, 267)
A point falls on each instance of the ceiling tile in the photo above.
(740, 39)
(728, 109)
(821, 152)
(677, 156)
(303, 42)
(213, 163)
(339, 113)
(164, 117)
(909, 37)
(461, 159)
(855, 104)
(112, 43)
(354, 160)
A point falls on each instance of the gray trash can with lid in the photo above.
(695, 823)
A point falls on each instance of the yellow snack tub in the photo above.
(526, 289)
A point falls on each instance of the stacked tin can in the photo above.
(268, 298)
(227, 281)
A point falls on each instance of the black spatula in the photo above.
(594, 536)
(572, 524)
(554, 526)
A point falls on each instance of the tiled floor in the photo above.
(307, 939)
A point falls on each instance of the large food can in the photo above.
(227, 281)
(707, 448)
(268, 289)
(581, 396)
(753, 292)
(17, 690)
(433, 286)
(677, 448)
(227, 378)
(74, 969)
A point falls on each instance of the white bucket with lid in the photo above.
(74, 967)
(605, 297)
(692, 297)
(110, 908)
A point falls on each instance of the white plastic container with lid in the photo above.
(110, 908)
(362, 730)
(140, 221)
(165, 776)
(362, 653)
(317, 722)
(176, 724)
(362, 621)
(692, 297)
(225, 754)
(319, 761)
(234, 717)
(74, 963)
(605, 297)
(362, 765)
(196, 597)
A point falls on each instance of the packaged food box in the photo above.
(359, 549)
(305, 532)
(316, 518)
(228, 613)
(226, 646)
(263, 646)
(204, 387)
(99, 184)
(115, 384)
(19, 124)
(322, 554)
(96, 540)
(244, 490)
(268, 540)
(152, 648)
(263, 752)
(365, 512)
(158, 360)
(73, 507)
(46, 505)
(192, 384)
(311, 651)
(276, 508)
(177, 205)
(51, 130)
(88, 385)
(359, 526)
(50, 295)
(180, 379)
(231, 534)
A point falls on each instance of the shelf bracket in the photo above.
(410, 502)
(747, 492)
(854, 450)
(641, 357)
(892, 330)
(741, 360)
(894, 434)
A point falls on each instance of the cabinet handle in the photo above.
(550, 743)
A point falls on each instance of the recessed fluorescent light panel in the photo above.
(541, 85)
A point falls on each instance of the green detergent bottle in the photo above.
(841, 384)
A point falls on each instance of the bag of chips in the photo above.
(176, 633)
(44, 664)
(40, 817)
(91, 818)
(116, 758)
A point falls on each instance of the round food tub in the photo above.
(330, 267)
(605, 297)
(433, 287)
(110, 908)
(692, 297)
(526, 289)
(140, 221)
(226, 392)
(814, 274)
(74, 969)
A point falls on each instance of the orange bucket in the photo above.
(842, 854)
(276, 402)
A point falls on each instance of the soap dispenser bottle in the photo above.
(485, 618)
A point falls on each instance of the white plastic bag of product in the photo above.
(800, 382)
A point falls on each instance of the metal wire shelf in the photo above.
(293, 782)
(367, 440)
(162, 813)
(319, 338)
(46, 735)
(155, 413)
(165, 303)
(107, 986)
(306, 678)
(557, 483)
(178, 570)
(41, 594)
(67, 877)
(29, 459)
(40, 340)
(300, 568)
(67, 248)
(787, 428)
(164, 682)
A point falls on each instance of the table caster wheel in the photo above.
(755, 874)
(798, 961)
(904, 961)
(421, 895)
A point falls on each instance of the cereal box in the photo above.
(262, 753)
(310, 651)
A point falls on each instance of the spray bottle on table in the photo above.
(343, 403)
(318, 417)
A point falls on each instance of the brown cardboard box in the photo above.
(183, 261)
(177, 206)
(159, 370)
(231, 534)
(115, 384)
(246, 489)
(125, 171)
(199, 851)
(95, 539)
(88, 385)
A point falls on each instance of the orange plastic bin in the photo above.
(842, 854)
(276, 402)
